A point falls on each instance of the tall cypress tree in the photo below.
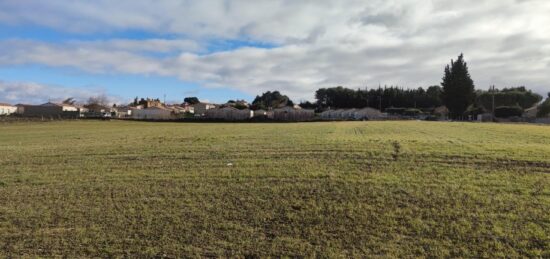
(458, 87)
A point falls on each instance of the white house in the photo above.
(123, 112)
(200, 109)
(64, 107)
(178, 109)
(153, 113)
(7, 109)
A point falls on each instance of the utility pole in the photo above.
(380, 96)
(493, 97)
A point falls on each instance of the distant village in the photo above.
(455, 99)
(271, 106)
(155, 110)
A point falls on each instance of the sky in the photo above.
(221, 50)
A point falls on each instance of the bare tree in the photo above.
(98, 100)
(69, 101)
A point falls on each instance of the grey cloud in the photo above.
(321, 43)
(35, 93)
(147, 45)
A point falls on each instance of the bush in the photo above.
(412, 112)
(432, 118)
(475, 110)
(395, 111)
(544, 109)
(508, 111)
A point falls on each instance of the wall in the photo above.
(7, 110)
(152, 114)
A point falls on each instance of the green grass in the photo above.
(349, 189)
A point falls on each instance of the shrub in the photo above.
(412, 112)
(432, 118)
(544, 109)
(394, 111)
(508, 111)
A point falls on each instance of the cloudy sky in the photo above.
(220, 50)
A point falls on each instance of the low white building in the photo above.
(153, 113)
(123, 112)
(64, 107)
(200, 109)
(7, 109)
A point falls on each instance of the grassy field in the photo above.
(349, 189)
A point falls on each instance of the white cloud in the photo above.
(34, 93)
(320, 42)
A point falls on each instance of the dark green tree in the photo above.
(458, 87)
(387, 97)
(544, 108)
(508, 97)
(308, 105)
(271, 100)
(191, 100)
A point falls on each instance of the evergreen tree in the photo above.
(271, 100)
(191, 100)
(458, 87)
(544, 108)
(508, 97)
(387, 97)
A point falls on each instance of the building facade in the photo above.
(200, 109)
(7, 109)
(292, 114)
(229, 114)
(153, 113)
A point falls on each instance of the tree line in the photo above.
(380, 98)
(457, 93)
